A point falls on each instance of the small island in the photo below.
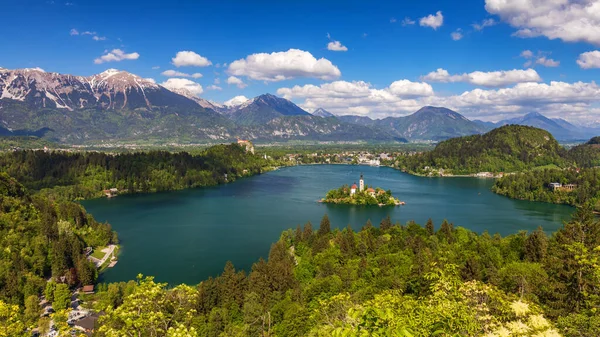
(361, 195)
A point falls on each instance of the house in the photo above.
(87, 324)
(111, 193)
(554, 186)
(371, 192)
(89, 289)
(569, 187)
(353, 189)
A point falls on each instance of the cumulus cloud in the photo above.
(433, 21)
(116, 55)
(189, 58)
(236, 81)
(237, 100)
(485, 23)
(279, 66)
(408, 21)
(568, 20)
(457, 35)
(486, 79)
(336, 46)
(150, 80)
(74, 32)
(175, 73)
(556, 99)
(590, 59)
(183, 84)
(406, 88)
(214, 87)
(541, 58)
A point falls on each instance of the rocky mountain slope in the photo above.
(320, 112)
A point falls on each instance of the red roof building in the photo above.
(354, 186)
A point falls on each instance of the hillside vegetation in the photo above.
(85, 175)
(40, 238)
(505, 149)
(389, 281)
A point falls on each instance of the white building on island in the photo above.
(353, 189)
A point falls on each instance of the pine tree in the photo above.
(325, 226)
(298, 235)
(536, 246)
(429, 227)
(367, 226)
(308, 232)
(386, 223)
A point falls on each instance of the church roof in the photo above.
(354, 186)
(370, 189)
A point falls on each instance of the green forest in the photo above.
(508, 148)
(42, 238)
(84, 175)
(534, 186)
(390, 280)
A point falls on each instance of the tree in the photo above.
(325, 226)
(386, 223)
(49, 291)
(11, 322)
(367, 226)
(298, 235)
(32, 310)
(62, 297)
(429, 227)
(536, 245)
(308, 232)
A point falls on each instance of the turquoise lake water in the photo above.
(187, 236)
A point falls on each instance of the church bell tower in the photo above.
(361, 183)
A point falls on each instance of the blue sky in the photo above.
(380, 50)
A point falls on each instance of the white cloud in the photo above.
(457, 35)
(393, 20)
(279, 66)
(433, 21)
(540, 58)
(336, 46)
(556, 99)
(98, 38)
(590, 59)
(547, 62)
(527, 54)
(217, 80)
(237, 100)
(74, 32)
(214, 87)
(175, 73)
(486, 79)
(568, 20)
(237, 81)
(485, 23)
(406, 88)
(116, 55)
(183, 84)
(407, 21)
(87, 32)
(155, 67)
(150, 80)
(189, 58)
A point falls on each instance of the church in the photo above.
(361, 186)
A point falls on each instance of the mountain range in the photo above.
(119, 106)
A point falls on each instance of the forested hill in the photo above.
(391, 280)
(505, 149)
(85, 175)
(40, 238)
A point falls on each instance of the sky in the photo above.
(486, 59)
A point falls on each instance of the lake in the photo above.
(187, 236)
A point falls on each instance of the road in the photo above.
(108, 252)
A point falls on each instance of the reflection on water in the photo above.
(186, 236)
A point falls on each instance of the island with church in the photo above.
(361, 195)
